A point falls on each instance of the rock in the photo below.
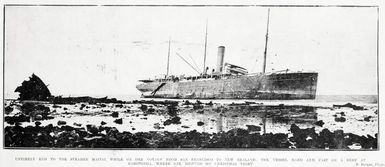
(239, 132)
(56, 106)
(82, 106)
(103, 123)
(150, 110)
(15, 119)
(42, 108)
(38, 117)
(200, 123)
(27, 108)
(65, 108)
(307, 109)
(115, 114)
(92, 129)
(198, 106)
(282, 138)
(8, 110)
(174, 120)
(300, 136)
(350, 105)
(250, 102)
(319, 123)
(253, 128)
(143, 107)
(281, 106)
(157, 126)
(33, 89)
(119, 121)
(367, 119)
(67, 128)
(32, 110)
(172, 110)
(340, 119)
(119, 106)
(294, 128)
(61, 122)
(338, 139)
(106, 111)
(76, 124)
(325, 138)
(37, 123)
(186, 103)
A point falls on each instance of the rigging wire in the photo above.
(187, 62)
(196, 66)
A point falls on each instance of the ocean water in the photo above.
(321, 100)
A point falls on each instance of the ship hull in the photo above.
(280, 86)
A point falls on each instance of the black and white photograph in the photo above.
(191, 77)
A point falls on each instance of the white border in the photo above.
(7, 156)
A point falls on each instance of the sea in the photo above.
(321, 100)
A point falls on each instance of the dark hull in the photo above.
(283, 86)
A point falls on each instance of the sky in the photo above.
(101, 50)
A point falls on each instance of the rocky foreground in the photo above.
(109, 137)
(27, 126)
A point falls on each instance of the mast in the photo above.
(204, 59)
(267, 36)
(168, 57)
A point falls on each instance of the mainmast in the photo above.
(267, 36)
(204, 59)
(168, 57)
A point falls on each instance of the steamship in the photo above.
(230, 81)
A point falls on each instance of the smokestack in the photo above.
(221, 55)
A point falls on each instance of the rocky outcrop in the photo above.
(33, 89)
(349, 105)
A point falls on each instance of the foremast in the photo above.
(267, 37)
